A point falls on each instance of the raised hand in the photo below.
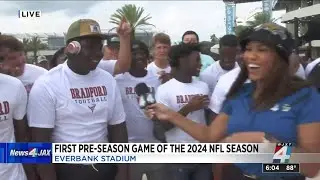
(124, 28)
(198, 102)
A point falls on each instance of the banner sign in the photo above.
(230, 18)
(267, 6)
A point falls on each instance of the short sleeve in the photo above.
(206, 61)
(217, 98)
(226, 107)
(108, 65)
(21, 99)
(161, 96)
(310, 113)
(41, 106)
(207, 77)
(118, 115)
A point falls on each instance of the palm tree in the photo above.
(26, 44)
(214, 39)
(35, 45)
(133, 15)
(259, 18)
(239, 29)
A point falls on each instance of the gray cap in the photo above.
(41, 59)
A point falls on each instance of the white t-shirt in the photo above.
(30, 75)
(223, 86)
(301, 72)
(78, 107)
(13, 104)
(175, 95)
(108, 65)
(154, 69)
(311, 65)
(212, 74)
(140, 128)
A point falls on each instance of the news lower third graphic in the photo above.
(280, 168)
(25, 153)
(281, 159)
(279, 155)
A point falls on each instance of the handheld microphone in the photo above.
(145, 97)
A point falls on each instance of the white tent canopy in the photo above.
(302, 13)
(215, 49)
(314, 43)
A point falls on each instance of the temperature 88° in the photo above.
(292, 168)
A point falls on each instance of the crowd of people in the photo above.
(257, 92)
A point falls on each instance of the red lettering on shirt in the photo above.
(4, 108)
(130, 90)
(184, 99)
(88, 92)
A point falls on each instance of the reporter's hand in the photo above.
(159, 111)
(164, 77)
(245, 137)
(197, 103)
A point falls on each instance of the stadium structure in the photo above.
(55, 41)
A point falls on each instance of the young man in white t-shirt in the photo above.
(311, 65)
(13, 63)
(16, 62)
(191, 37)
(13, 128)
(111, 49)
(121, 59)
(189, 97)
(160, 66)
(77, 102)
(228, 48)
(140, 128)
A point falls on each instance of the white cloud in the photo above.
(172, 17)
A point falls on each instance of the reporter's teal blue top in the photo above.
(281, 121)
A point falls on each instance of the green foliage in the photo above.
(33, 44)
(258, 18)
(134, 16)
(214, 39)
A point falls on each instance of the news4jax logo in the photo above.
(33, 152)
(282, 153)
(29, 13)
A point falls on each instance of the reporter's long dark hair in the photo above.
(276, 86)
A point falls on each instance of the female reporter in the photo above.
(274, 107)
